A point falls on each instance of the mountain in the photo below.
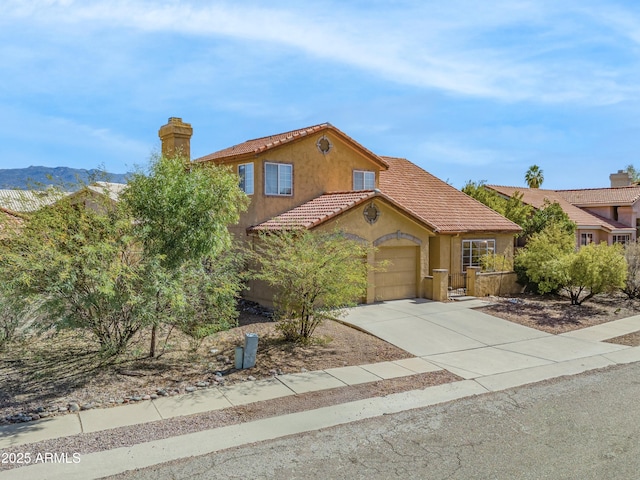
(65, 177)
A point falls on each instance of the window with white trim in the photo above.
(278, 179)
(473, 250)
(586, 239)
(245, 172)
(622, 239)
(364, 180)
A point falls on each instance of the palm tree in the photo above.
(534, 177)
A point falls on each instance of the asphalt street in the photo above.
(580, 427)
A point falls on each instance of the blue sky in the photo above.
(468, 90)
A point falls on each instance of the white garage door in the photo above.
(399, 278)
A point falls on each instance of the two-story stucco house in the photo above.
(320, 178)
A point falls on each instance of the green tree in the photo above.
(315, 276)
(550, 213)
(539, 264)
(634, 173)
(593, 269)
(512, 208)
(181, 216)
(534, 176)
(116, 267)
(82, 267)
(182, 211)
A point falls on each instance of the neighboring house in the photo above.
(320, 178)
(26, 201)
(610, 215)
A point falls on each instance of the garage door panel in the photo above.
(399, 278)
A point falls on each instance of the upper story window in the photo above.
(364, 180)
(474, 250)
(586, 238)
(278, 179)
(245, 172)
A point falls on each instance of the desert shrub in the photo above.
(316, 275)
(632, 284)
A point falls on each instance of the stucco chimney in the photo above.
(620, 179)
(176, 138)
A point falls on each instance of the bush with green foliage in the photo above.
(315, 276)
(539, 263)
(632, 283)
(550, 262)
(210, 290)
(593, 269)
(114, 268)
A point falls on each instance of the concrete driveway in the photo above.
(467, 342)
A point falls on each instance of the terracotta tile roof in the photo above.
(258, 145)
(536, 198)
(437, 203)
(602, 196)
(315, 211)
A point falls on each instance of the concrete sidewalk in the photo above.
(489, 353)
(207, 399)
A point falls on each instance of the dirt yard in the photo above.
(555, 314)
(58, 373)
(47, 374)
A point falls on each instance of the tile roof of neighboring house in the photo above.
(113, 190)
(602, 196)
(23, 201)
(316, 211)
(536, 198)
(258, 145)
(438, 203)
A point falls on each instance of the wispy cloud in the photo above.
(511, 51)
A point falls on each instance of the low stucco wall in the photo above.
(427, 288)
(496, 283)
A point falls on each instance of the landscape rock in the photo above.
(202, 384)
(190, 389)
(74, 407)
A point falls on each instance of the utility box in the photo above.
(250, 350)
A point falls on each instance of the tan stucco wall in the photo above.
(447, 251)
(497, 283)
(314, 173)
